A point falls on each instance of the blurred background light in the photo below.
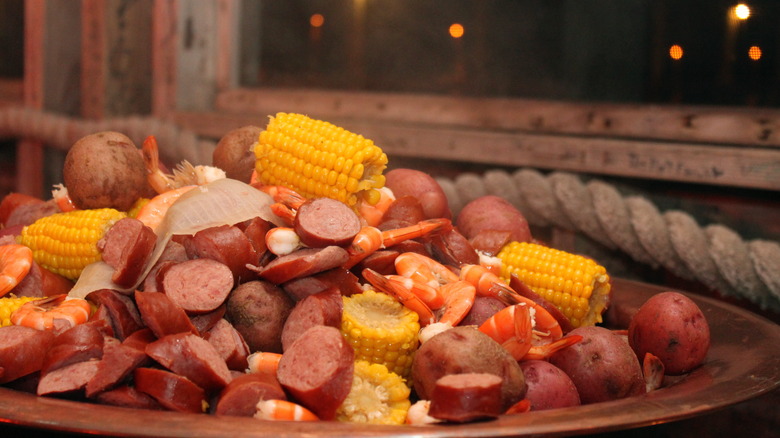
(676, 52)
(456, 30)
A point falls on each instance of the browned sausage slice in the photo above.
(490, 241)
(317, 370)
(324, 308)
(22, 351)
(162, 315)
(229, 343)
(343, 279)
(452, 248)
(173, 391)
(206, 321)
(71, 378)
(193, 357)
(225, 244)
(322, 222)
(118, 363)
(199, 285)
(123, 312)
(40, 282)
(126, 247)
(77, 344)
(403, 212)
(240, 397)
(466, 397)
(302, 263)
(128, 397)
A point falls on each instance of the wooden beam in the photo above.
(165, 40)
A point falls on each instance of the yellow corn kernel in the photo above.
(311, 156)
(64, 243)
(8, 306)
(377, 396)
(381, 330)
(578, 286)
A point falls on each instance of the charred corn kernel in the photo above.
(137, 206)
(316, 158)
(8, 306)
(381, 330)
(576, 285)
(377, 396)
(65, 243)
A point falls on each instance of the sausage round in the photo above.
(161, 315)
(452, 248)
(126, 247)
(322, 222)
(117, 363)
(323, 308)
(128, 397)
(225, 244)
(40, 282)
(123, 312)
(77, 344)
(229, 343)
(198, 285)
(317, 370)
(193, 357)
(466, 397)
(239, 398)
(70, 378)
(302, 263)
(173, 391)
(342, 279)
(22, 351)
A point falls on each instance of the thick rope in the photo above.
(714, 255)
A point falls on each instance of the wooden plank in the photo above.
(11, 91)
(686, 162)
(758, 127)
(93, 50)
(165, 40)
(196, 72)
(227, 44)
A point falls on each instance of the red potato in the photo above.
(410, 182)
(602, 366)
(492, 212)
(672, 327)
(235, 152)
(548, 386)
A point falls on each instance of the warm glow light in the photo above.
(676, 52)
(742, 11)
(754, 52)
(316, 20)
(456, 30)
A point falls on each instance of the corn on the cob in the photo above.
(381, 330)
(64, 243)
(137, 206)
(576, 285)
(377, 396)
(8, 306)
(316, 158)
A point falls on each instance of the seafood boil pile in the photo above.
(297, 279)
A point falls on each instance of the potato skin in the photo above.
(548, 386)
(235, 153)
(492, 212)
(411, 182)
(672, 327)
(258, 310)
(602, 366)
(466, 350)
(105, 169)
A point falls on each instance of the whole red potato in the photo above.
(673, 328)
(492, 213)
(548, 386)
(410, 182)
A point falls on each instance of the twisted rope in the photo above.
(714, 255)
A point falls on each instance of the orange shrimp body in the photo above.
(15, 263)
(371, 239)
(283, 410)
(263, 362)
(402, 294)
(52, 313)
(423, 269)
(458, 298)
(153, 213)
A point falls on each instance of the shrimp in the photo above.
(458, 298)
(418, 413)
(286, 201)
(153, 213)
(263, 362)
(52, 312)
(283, 410)
(401, 293)
(424, 269)
(15, 262)
(372, 214)
(61, 197)
(370, 239)
(184, 174)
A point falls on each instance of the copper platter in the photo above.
(743, 363)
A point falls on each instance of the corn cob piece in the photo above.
(8, 306)
(318, 159)
(137, 206)
(578, 286)
(64, 243)
(381, 330)
(377, 396)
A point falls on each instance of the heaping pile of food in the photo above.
(296, 280)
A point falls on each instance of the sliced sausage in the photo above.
(128, 397)
(226, 244)
(240, 397)
(118, 362)
(404, 211)
(317, 370)
(174, 252)
(77, 344)
(140, 339)
(160, 314)
(302, 263)
(193, 357)
(70, 378)
(30, 212)
(255, 230)
(340, 278)
(124, 315)
(452, 248)
(258, 309)
(382, 261)
(322, 222)
(22, 351)
(199, 285)
(490, 242)
(40, 282)
(171, 390)
(466, 397)
(11, 202)
(324, 308)
(126, 247)
(205, 321)
(229, 343)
